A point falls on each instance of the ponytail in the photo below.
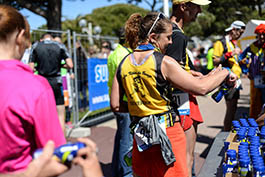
(137, 27)
(132, 30)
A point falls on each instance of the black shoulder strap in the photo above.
(176, 28)
(161, 82)
(224, 44)
(159, 58)
(119, 69)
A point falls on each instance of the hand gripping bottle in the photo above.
(245, 63)
(64, 153)
(223, 90)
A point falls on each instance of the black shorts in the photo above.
(233, 94)
(57, 89)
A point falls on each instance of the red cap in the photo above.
(260, 29)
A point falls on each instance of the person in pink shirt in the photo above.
(28, 117)
(90, 165)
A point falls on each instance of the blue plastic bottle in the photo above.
(65, 153)
(243, 169)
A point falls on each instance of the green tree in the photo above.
(51, 10)
(203, 24)
(151, 4)
(227, 11)
(112, 18)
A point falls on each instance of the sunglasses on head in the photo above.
(159, 16)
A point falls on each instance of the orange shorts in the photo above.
(195, 114)
(150, 162)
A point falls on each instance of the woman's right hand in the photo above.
(231, 80)
(88, 160)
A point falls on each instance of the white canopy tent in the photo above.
(249, 36)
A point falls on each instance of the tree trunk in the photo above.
(259, 3)
(54, 14)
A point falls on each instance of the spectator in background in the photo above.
(123, 138)
(209, 57)
(226, 52)
(82, 76)
(105, 50)
(252, 63)
(183, 13)
(27, 107)
(92, 51)
(66, 79)
(48, 55)
(203, 61)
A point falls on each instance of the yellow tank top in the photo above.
(144, 85)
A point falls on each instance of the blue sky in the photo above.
(71, 9)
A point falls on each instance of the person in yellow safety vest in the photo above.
(226, 53)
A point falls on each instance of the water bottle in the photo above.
(245, 63)
(231, 159)
(259, 170)
(243, 169)
(241, 135)
(235, 126)
(64, 153)
(218, 95)
(244, 122)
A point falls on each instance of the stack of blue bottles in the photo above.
(244, 122)
(252, 122)
(244, 169)
(257, 162)
(259, 171)
(251, 150)
(251, 133)
(235, 126)
(231, 161)
(241, 135)
(243, 159)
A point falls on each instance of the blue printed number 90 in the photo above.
(101, 73)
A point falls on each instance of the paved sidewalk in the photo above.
(213, 114)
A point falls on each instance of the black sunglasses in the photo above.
(105, 46)
(159, 16)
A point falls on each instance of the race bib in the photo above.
(182, 100)
(238, 84)
(162, 123)
(141, 137)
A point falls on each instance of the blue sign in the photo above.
(98, 76)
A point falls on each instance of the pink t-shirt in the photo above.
(28, 116)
